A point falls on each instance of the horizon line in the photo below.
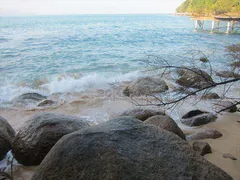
(85, 14)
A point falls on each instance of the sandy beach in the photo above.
(100, 110)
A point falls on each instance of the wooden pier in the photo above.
(216, 20)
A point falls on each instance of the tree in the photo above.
(210, 6)
(158, 63)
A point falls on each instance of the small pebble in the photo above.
(229, 156)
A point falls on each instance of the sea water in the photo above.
(66, 54)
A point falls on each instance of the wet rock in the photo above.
(194, 78)
(39, 134)
(125, 148)
(235, 64)
(205, 134)
(229, 156)
(5, 126)
(202, 147)
(4, 176)
(142, 114)
(32, 96)
(198, 118)
(193, 113)
(46, 102)
(147, 86)
(167, 123)
(6, 136)
(227, 106)
(227, 74)
(210, 96)
(28, 99)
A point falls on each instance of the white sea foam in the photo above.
(65, 84)
(88, 82)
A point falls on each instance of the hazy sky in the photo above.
(39, 7)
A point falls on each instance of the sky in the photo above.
(62, 7)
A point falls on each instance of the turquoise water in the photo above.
(51, 53)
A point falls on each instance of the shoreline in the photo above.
(226, 123)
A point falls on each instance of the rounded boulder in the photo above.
(167, 123)
(6, 136)
(39, 134)
(142, 114)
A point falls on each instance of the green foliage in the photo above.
(210, 6)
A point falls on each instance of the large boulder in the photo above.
(205, 134)
(39, 134)
(198, 118)
(125, 148)
(142, 114)
(6, 136)
(147, 86)
(167, 123)
(194, 78)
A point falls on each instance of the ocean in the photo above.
(68, 54)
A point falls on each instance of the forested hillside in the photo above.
(210, 7)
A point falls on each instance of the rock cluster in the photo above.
(125, 148)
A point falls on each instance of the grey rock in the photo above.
(193, 113)
(229, 156)
(142, 114)
(205, 134)
(122, 149)
(194, 78)
(202, 147)
(227, 106)
(4, 176)
(167, 123)
(227, 74)
(147, 86)
(46, 102)
(198, 118)
(28, 99)
(235, 64)
(32, 96)
(210, 96)
(6, 136)
(39, 134)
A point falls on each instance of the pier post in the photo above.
(196, 26)
(202, 24)
(218, 26)
(213, 24)
(228, 27)
(233, 23)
